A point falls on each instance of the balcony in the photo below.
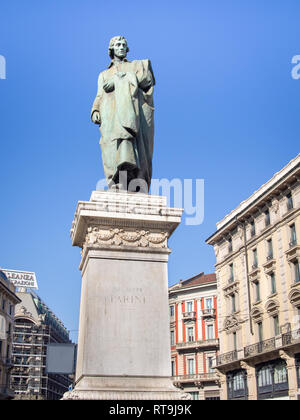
(214, 342)
(189, 316)
(226, 358)
(269, 265)
(254, 273)
(231, 287)
(208, 313)
(291, 337)
(260, 347)
(196, 378)
(293, 253)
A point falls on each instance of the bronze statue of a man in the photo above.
(123, 108)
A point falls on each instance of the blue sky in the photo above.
(226, 111)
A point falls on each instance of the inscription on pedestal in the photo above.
(127, 296)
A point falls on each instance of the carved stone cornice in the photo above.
(101, 237)
(124, 219)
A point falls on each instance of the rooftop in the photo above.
(198, 280)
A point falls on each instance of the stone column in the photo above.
(289, 358)
(124, 336)
(251, 380)
(222, 384)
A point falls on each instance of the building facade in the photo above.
(257, 248)
(8, 300)
(194, 336)
(35, 327)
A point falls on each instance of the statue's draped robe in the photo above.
(126, 119)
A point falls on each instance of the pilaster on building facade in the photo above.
(257, 248)
(8, 300)
(194, 336)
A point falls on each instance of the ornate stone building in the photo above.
(8, 300)
(257, 249)
(194, 336)
(35, 327)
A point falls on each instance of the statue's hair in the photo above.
(112, 43)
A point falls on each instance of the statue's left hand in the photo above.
(108, 86)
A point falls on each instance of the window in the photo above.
(267, 218)
(189, 306)
(237, 385)
(280, 373)
(210, 364)
(191, 366)
(229, 245)
(238, 381)
(272, 380)
(296, 271)
(3, 304)
(298, 369)
(264, 376)
(190, 332)
(231, 278)
(273, 283)
(276, 325)
(173, 373)
(293, 235)
(195, 395)
(210, 332)
(270, 249)
(290, 203)
(233, 303)
(255, 262)
(260, 331)
(252, 230)
(208, 303)
(172, 338)
(172, 310)
(234, 341)
(257, 291)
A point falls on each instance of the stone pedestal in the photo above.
(124, 337)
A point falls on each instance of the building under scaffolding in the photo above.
(35, 327)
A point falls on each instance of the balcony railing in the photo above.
(213, 342)
(291, 337)
(260, 347)
(208, 312)
(189, 315)
(225, 358)
(196, 377)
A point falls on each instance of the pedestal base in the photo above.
(124, 327)
(125, 388)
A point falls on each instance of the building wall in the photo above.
(36, 327)
(8, 300)
(191, 354)
(258, 294)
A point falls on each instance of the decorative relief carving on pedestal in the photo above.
(100, 236)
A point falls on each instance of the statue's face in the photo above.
(120, 48)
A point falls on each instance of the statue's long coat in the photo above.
(126, 119)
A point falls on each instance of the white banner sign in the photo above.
(21, 278)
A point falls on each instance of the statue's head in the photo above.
(118, 47)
